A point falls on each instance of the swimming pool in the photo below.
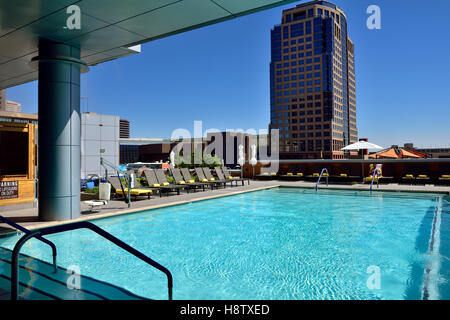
(280, 243)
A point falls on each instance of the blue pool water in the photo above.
(279, 243)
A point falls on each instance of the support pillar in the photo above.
(59, 131)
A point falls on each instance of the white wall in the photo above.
(98, 132)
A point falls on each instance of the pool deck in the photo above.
(29, 217)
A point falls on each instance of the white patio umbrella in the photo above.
(362, 145)
(172, 160)
(241, 159)
(253, 160)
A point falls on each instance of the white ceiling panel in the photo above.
(108, 27)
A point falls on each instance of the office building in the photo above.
(312, 82)
(130, 149)
(431, 152)
(124, 129)
(99, 138)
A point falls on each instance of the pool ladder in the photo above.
(26, 231)
(39, 233)
(375, 174)
(320, 176)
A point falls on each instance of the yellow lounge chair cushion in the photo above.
(423, 176)
(369, 179)
(191, 181)
(181, 182)
(138, 192)
(446, 176)
(300, 174)
(156, 185)
(343, 175)
(409, 176)
(212, 179)
(289, 174)
(204, 180)
(315, 174)
(165, 184)
(135, 192)
(230, 178)
(273, 174)
(325, 175)
(265, 174)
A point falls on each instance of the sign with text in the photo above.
(9, 189)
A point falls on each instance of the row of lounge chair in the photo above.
(157, 181)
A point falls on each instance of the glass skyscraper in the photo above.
(312, 82)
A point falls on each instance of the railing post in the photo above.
(129, 190)
(15, 263)
(320, 176)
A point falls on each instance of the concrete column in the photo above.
(59, 131)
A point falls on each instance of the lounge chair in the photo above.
(291, 175)
(409, 178)
(202, 178)
(135, 192)
(267, 176)
(229, 176)
(315, 176)
(370, 178)
(187, 177)
(422, 179)
(344, 178)
(190, 183)
(222, 177)
(162, 180)
(210, 177)
(152, 181)
(444, 179)
(140, 186)
(379, 178)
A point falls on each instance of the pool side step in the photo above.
(37, 281)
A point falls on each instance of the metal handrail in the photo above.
(375, 173)
(74, 226)
(26, 231)
(105, 164)
(320, 176)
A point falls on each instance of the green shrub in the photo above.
(207, 161)
(94, 190)
(142, 182)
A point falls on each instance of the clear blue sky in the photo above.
(220, 75)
